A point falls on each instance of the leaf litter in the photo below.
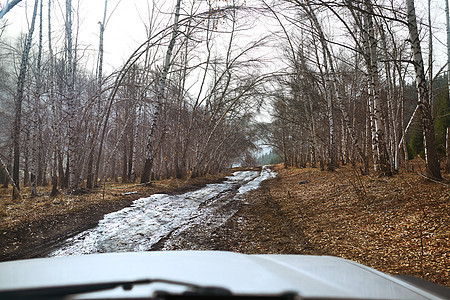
(398, 225)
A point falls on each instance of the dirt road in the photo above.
(164, 222)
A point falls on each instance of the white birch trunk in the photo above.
(430, 58)
(73, 182)
(19, 100)
(7, 174)
(313, 142)
(326, 77)
(447, 147)
(431, 159)
(334, 85)
(53, 104)
(151, 149)
(383, 159)
(36, 119)
(447, 16)
(390, 123)
(135, 141)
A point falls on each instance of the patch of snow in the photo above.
(266, 173)
(129, 193)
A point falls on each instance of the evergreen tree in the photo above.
(441, 114)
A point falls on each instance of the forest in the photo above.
(323, 83)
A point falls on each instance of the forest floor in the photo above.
(398, 225)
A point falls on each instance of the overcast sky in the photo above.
(125, 29)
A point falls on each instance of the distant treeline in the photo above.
(270, 158)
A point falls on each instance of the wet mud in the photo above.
(167, 222)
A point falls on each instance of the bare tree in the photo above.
(145, 177)
(447, 23)
(8, 6)
(70, 98)
(430, 58)
(447, 147)
(431, 159)
(36, 118)
(90, 172)
(19, 98)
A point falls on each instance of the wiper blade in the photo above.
(222, 294)
(61, 291)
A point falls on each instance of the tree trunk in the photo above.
(36, 119)
(332, 140)
(26, 154)
(125, 160)
(66, 175)
(431, 159)
(312, 135)
(430, 58)
(55, 191)
(339, 99)
(159, 99)
(390, 124)
(62, 177)
(71, 107)
(448, 80)
(19, 99)
(34, 155)
(402, 124)
(325, 75)
(447, 147)
(384, 167)
(92, 174)
(52, 98)
(9, 178)
(134, 147)
(447, 16)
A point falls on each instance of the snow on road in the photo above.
(153, 221)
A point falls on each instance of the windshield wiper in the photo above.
(62, 291)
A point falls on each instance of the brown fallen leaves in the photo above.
(398, 225)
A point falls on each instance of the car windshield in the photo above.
(303, 129)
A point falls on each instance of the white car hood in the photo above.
(309, 276)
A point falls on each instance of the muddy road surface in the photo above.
(164, 222)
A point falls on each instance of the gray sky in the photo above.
(125, 29)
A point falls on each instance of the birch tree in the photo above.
(90, 172)
(19, 99)
(150, 151)
(70, 98)
(447, 23)
(431, 159)
(447, 150)
(36, 117)
(382, 164)
(329, 80)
